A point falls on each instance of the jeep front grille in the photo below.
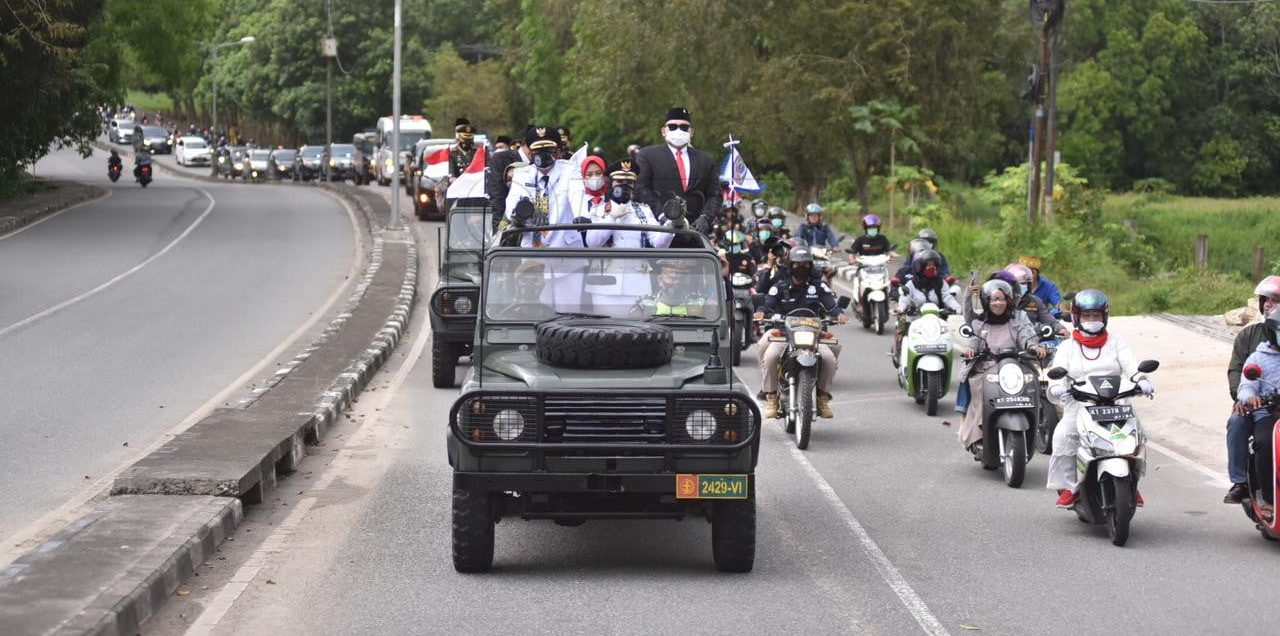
(634, 420)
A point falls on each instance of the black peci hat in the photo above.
(541, 138)
(623, 170)
(679, 113)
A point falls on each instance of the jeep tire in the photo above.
(733, 534)
(589, 343)
(444, 362)
(472, 531)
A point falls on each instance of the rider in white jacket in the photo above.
(1091, 351)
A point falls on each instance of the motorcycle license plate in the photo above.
(931, 348)
(1013, 400)
(711, 486)
(1110, 413)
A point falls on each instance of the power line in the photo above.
(328, 9)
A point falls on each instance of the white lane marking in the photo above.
(1218, 478)
(888, 573)
(127, 273)
(58, 213)
(18, 543)
(217, 609)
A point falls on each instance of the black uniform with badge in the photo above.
(787, 296)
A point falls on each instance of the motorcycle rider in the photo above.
(931, 237)
(143, 158)
(762, 241)
(1239, 426)
(778, 219)
(871, 243)
(1262, 421)
(798, 290)
(926, 286)
(114, 160)
(737, 254)
(814, 231)
(760, 209)
(1042, 287)
(1000, 327)
(1031, 304)
(1091, 351)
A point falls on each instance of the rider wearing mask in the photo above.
(736, 253)
(1262, 421)
(814, 231)
(1001, 327)
(1037, 311)
(760, 209)
(798, 290)
(929, 236)
(1240, 426)
(1042, 287)
(1091, 351)
(871, 243)
(778, 219)
(761, 242)
(926, 286)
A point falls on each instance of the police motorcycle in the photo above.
(925, 358)
(746, 331)
(802, 330)
(1113, 449)
(1268, 526)
(871, 290)
(1011, 404)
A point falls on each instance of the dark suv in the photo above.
(457, 296)
(598, 390)
(307, 164)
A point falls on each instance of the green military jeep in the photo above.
(453, 304)
(597, 391)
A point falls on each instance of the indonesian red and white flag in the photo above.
(469, 184)
(437, 163)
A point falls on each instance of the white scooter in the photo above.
(871, 292)
(1113, 449)
(925, 360)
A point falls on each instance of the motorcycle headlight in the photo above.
(804, 338)
(222, 159)
(508, 424)
(463, 305)
(282, 168)
(1011, 379)
(700, 425)
(1102, 445)
(927, 330)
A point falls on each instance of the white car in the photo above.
(193, 151)
(121, 131)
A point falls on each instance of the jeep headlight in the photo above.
(332, 162)
(804, 338)
(1011, 379)
(462, 305)
(239, 166)
(700, 425)
(222, 159)
(508, 424)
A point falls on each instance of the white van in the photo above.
(389, 165)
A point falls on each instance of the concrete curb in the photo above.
(275, 421)
(39, 211)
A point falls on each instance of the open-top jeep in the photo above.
(453, 304)
(597, 391)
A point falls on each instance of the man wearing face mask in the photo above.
(762, 241)
(540, 193)
(463, 149)
(676, 169)
(1037, 311)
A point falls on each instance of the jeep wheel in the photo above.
(472, 531)
(444, 360)
(733, 535)
(588, 343)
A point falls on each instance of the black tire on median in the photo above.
(590, 343)
(733, 535)
(444, 360)
(472, 531)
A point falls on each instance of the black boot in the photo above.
(1237, 494)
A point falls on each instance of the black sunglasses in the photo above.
(684, 127)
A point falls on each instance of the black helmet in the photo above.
(923, 258)
(990, 287)
(916, 246)
(759, 208)
(1272, 323)
(929, 235)
(1089, 300)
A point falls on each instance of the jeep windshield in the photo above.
(469, 230)
(656, 285)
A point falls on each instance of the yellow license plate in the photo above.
(712, 487)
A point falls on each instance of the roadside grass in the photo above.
(18, 187)
(150, 102)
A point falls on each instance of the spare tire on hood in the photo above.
(604, 343)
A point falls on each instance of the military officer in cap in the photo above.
(675, 296)
(463, 149)
(675, 169)
(566, 142)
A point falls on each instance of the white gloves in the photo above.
(1148, 389)
(1056, 391)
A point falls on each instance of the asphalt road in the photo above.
(122, 317)
(883, 526)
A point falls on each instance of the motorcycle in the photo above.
(1049, 412)
(822, 263)
(1268, 528)
(1113, 450)
(925, 358)
(113, 172)
(747, 333)
(1011, 405)
(802, 331)
(144, 174)
(871, 290)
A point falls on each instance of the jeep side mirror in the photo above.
(1147, 366)
(1057, 373)
(844, 301)
(966, 331)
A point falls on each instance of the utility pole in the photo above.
(1051, 130)
(213, 56)
(395, 117)
(330, 46)
(1045, 14)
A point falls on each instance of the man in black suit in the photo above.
(676, 169)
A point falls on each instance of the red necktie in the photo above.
(684, 176)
